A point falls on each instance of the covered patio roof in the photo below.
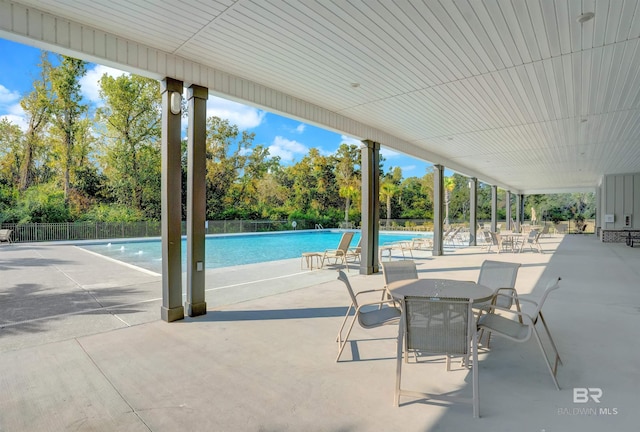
(530, 96)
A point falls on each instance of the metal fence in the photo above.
(39, 232)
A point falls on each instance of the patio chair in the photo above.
(340, 253)
(486, 237)
(367, 317)
(437, 326)
(501, 243)
(533, 240)
(353, 253)
(545, 231)
(451, 237)
(501, 277)
(521, 330)
(394, 271)
(5, 235)
(422, 243)
(561, 228)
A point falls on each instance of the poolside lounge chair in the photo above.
(353, 253)
(370, 317)
(5, 235)
(452, 237)
(340, 253)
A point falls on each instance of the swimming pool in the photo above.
(237, 249)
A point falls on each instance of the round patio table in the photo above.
(441, 288)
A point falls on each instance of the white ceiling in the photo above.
(515, 91)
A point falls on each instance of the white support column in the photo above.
(370, 164)
(171, 212)
(438, 209)
(196, 199)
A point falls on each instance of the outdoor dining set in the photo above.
(449, 317)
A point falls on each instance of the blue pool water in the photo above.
(231, 250)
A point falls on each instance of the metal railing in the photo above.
(40, 232)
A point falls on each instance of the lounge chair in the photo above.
(452, 237)
(5, 235)
(353, 253)
(340, 253)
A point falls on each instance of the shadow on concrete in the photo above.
(29, 308)
(272, 314)
(17, 263)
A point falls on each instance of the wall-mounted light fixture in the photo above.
(176, 103)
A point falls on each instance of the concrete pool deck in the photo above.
(82, 348)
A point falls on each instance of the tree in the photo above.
(227, 151)
(66, 111)
(389, 187)
(37, 107)
(11, 138)
(130, 124)
(449, 186)
(347, 175)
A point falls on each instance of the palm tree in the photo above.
(387, 190)
(449, 186)
(349, 192)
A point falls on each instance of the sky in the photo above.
(284, 137)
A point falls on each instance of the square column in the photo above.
(519, 208)
(438, 209)
(171, 212)
(473, 211)
(494, 208)
(508, 209)
(196, 199)
(370, 164)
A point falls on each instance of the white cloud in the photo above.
(245, 117)
(301, 127)
(344, 139)
(7, 96)
(15, 114)
(20, 121)
(287, 149)
(90, 83)
(388, 154)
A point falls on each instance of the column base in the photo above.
(196, 309)
(172, 314)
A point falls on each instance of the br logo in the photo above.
(583, 395)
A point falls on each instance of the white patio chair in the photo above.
(395, 271)
(437, 326)
(501, 277)
(368, 318)
(5, 235)
(533, 240)
(521, 330)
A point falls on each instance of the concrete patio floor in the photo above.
(82, 348)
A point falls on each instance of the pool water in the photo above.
(236, 249)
